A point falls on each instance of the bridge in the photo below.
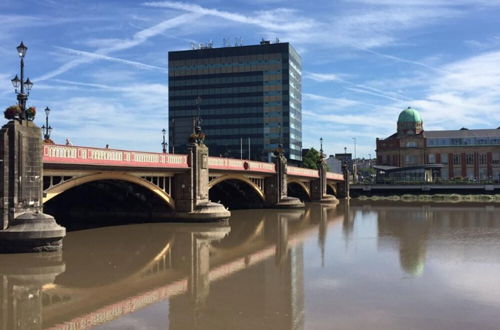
(66, 167)
(34, 173)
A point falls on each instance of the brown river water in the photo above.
(357, 265)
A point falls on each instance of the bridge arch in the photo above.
(331, 188)
(301, 184)
(237, 177)
(77, 181)
(299, 189)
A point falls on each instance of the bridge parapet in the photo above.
(62, 154)
(300, 171)
(335, 176)
(230, 164)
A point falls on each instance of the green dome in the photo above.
(409, 116)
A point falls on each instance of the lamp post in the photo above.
(164, 144)
(25, 86)
(46, 129)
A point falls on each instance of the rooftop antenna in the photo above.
(277, 41)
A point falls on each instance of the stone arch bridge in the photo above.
(66, 167)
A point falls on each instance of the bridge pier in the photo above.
(24, 228)
(318, 186)
(191, 188)
(343, 188)
(275, 187)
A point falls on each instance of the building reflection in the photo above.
(248, 273)
(412, 228)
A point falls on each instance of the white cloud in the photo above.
(97, 56)
(136, 40)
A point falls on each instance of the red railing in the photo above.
(62, 154)
(231, 164)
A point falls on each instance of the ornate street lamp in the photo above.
(164, 144)
(46, 129)
(21, 86)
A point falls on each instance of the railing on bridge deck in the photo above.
(300, 171)
(62, 154)
(335, 176)
(231, 164)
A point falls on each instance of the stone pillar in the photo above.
(24, 227)
(343, 188)
(191, 188)
(275, 187)
(318, 186)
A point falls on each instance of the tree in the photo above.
(310, 159)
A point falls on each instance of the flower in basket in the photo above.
(12, 112)
(30, 113)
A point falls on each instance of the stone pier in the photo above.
(191, 188)
(318, 186)
(24, 228)
(275, 187)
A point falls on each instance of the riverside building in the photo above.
(248, 98)
(465, 153)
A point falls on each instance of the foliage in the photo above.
(30, 113)
(311, 158)
(12, 112)
(197, 138)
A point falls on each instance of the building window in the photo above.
(496, 158)
(432, 158)
(469, 159)
(411, 159)
(411, 144)
(482, 159)
(457, 159)
(444, 158)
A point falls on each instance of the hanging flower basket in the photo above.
(30, 113)
(197, 138)
(12, 112)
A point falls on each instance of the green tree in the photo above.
(311, 158)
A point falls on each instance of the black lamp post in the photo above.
(25, 86)
(46, 128)
(164, 144)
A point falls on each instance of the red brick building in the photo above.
(466, 153)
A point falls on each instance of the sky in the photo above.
(101, 66)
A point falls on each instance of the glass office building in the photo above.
(249, 99)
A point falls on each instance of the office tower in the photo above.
(248, 98)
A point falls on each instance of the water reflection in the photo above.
(250, 272)
(415, 224)
(251, 265)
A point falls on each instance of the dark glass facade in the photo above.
(249, 94)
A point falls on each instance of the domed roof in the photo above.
(409, 115)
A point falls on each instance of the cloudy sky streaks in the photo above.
(101, 66)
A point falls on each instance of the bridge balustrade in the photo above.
(231, 164)
(335, 176)
(62, 154)
(299, 171)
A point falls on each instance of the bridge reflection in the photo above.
(252, 264)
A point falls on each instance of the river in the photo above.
(374, 265)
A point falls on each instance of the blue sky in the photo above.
(101, 66)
